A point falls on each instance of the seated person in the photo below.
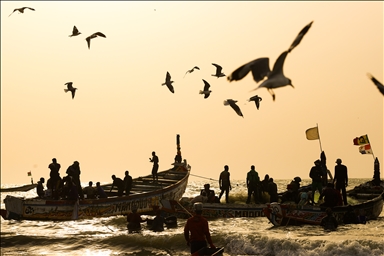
(330, 195)
(210, 193)
(100, 191)
(90, 191)
(303, 197)
(200, 198)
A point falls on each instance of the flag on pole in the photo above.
(362, 140)
(29, 173)
(312, 133)
(366, 149)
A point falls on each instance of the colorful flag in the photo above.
(29, 173)
(361, 140)
(366, 149)
(312, 133)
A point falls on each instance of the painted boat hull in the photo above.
(145, 202)
(23, 188)
(291, 214)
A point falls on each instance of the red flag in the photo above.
(29, 173)
(362, 140)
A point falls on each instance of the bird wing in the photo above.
(75, 31)
(88, 42)
(69, 86)
(12, 12)
(259, 67)
(235, 107)
(73, 93)
(99, 34)
(196, 67)
(379, 85)
(29, 8)
(170, 87)
(206, 85)
(168, 78)
(218, 68)
(278, 66)
(300, 36)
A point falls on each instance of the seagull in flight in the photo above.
(206, 90)
(191, 70)
(21, 10)
(257, 100)
(233, 104)
(300, 36)
(218, 71)
(379, 85)
(75, 32)
(94, 35)
(168, 82)
(71, 89)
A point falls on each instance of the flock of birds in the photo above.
(259, 67)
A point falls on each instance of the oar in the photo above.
(184, 208)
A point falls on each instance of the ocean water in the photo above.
(240, 236)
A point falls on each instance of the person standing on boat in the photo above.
(225, 183)
(341, 179)
(40, 188)
(74, 171)
(264, 189)
(119, 183)
(316, 174)
(196, 230)
(128, 183)
(54, 176)
(272, 191)
(253, 184)
(155, 168)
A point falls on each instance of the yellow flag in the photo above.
(312, 133)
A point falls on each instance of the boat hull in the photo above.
(146, 202)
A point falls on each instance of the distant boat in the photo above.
(23, 188)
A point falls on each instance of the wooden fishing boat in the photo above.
(367, 206)
(145, 196)
(184, 207)
(23, 188)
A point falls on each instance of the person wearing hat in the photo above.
(341, 179)
(316, 174)
(196, 230)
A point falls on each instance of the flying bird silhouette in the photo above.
(233, 104)
(218, 71)
(21, 10)
(206, 90)
(379, 85)
(94, 35)
(300, 36)
(191, 70)
(71, 89)
(257, 100)
(75, 32)
(260, 69)
(168, 82)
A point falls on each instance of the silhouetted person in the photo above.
(272, 191)
(74, 171)
(127, 183)
(253, 185)
(329, 222)
(331, 196)
(134, 220)
(119, 183)
(341, 179)
(54, 176)
(40, 188)
(196, 230)
(316, 174)
(90, 191)
(155, 168)
(100, 191)
(225, 183)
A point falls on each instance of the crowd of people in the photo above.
(69, 187)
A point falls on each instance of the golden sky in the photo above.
(121, 112)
